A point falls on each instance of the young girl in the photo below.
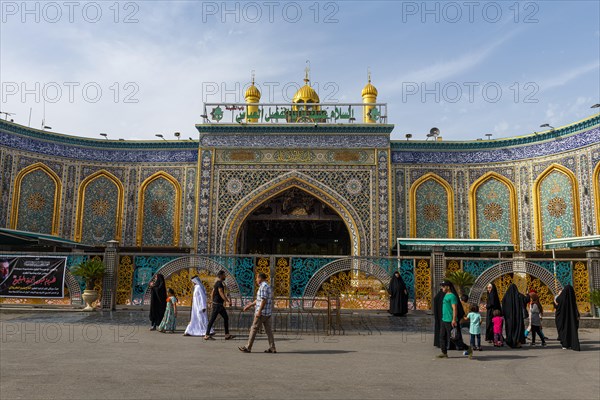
(168, 322)
(474, 327)
(498, 322)
(535, 314)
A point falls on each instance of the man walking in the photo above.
(262, 314)
(450, 321)
(219, 301)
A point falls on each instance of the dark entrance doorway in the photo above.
(294, 222)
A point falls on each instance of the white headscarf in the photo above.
(200, 293)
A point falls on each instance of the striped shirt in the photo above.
(265, 294)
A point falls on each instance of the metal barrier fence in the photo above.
(355, 282)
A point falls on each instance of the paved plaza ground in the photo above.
(74, 355)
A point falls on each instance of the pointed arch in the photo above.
(81, 203)
(413, 202)
(294, 179)
(596, 186)
(176, 206)
(537, 198)
(14, 220)
(513, 212)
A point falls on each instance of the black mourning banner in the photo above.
(33, 277)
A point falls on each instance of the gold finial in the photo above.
(306, 71)
(253, 77)
(369, 73)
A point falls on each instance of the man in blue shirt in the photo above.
(263, 308)
(449, 321)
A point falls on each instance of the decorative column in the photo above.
(519, 272)
(109, 283)
(438, 268)
(593, 264)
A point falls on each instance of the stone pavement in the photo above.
(74, 355)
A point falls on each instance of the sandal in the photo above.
(209, 338)
(270, 351)
(229, 337)
(244, 349)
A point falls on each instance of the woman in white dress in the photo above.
(199, 319)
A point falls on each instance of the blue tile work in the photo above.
(494, 220)
(302, 270)
(431, 210)
(400, 202)
(242, 269)
(406, 271)
(557, 208)
(204, 191)
(160, 217)
(525, 204)
(523, 152)
(189, 208)
(36, 205)
(100, 211)
(477, 267)
(585, 195)
(383, 247)
(145, 268)
(131, 202)
(564, 272)
(57, 149)
(296, 140)
(7, 164)
(461, 206)
(68, 204)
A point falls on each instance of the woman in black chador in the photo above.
(493, 303)
(567, 319)
(398, 295)
(158, 300)
(513, 307)
(438, 301)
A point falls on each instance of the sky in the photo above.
(135, 69)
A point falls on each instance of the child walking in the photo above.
(474, 327)
(535, 314)
(169, 320)
(498, 324)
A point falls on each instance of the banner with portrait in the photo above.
(32, 277)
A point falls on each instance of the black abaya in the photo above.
(398, 296)
(513, 307)
(493, 303)
(438, 301)
(567, 319)
(158, 300)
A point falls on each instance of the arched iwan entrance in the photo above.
(509, 267)
(294, 179)
(199, 263)
(344, 264)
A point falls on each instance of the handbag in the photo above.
(454, 333)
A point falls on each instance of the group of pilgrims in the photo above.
(504, 323)
(163, 308)
(506, 320)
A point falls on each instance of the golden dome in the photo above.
(369, 90)
(306, 94)
(252, 91)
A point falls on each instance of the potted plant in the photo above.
(90, 270)
(462, 280)
(595, 300)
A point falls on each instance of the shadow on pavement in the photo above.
(318, 352)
